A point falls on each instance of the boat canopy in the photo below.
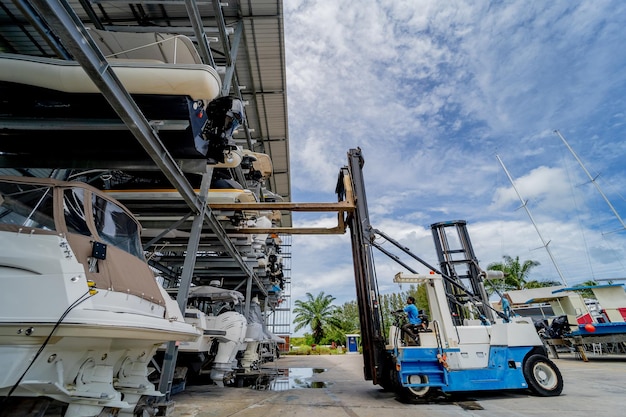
(76, 208)
(100, 234)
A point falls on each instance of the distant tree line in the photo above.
(330, 323)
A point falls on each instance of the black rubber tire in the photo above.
(542, 376)
(415, 395)
(421, 392)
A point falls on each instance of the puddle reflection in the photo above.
(289, 378)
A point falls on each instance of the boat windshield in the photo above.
(116, 227)
(74, 211)
(29, 205)
(32, 205)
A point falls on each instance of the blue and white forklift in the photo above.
(468, 346)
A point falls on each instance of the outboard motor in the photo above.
(224, 116)
(559, 326)
(542, 327)
(554, 330)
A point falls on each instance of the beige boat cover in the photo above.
(120, 271)
(198, 81)
(164, 47)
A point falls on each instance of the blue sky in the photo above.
(432, 91)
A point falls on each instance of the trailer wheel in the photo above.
(542, 376)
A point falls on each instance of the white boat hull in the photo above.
(215, 196)
(198, 81)
(98, 354)
(61, 338)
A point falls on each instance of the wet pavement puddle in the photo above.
(289, 378)
(469, 405)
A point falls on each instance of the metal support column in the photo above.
(198, 30)
(171, 353)
(230, 69)
(248, 297)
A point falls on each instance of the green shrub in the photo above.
(315, 350)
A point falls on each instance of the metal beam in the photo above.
(35, 19)
(183, 30)
(287, 206)
(221, 26)
(82, 124)
(171, 353)
(229, 76)
(337, 230)
(198, 29)
(166, 231)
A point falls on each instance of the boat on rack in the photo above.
(155, 46)
(575, 324)
(140, 77)
(232, 345)
(139, 186)
(82, 314)
(214, 311)
(256, 166)
(179, 96)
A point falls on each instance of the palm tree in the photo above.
(515, 275)
(348, 317)
(316, 312)
(587, 293)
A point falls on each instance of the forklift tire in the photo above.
(420, 392)
(542, 376)
(417, 393)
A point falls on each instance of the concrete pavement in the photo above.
(591, 389)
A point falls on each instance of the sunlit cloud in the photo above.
(432, 92)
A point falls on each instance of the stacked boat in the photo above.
(579, 321)
(178, 95)
(232, 344)
(84, 314)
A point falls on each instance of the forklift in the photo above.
(468, 345)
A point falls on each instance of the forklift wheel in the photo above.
(417, 392)
(543, 377)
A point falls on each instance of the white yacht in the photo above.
(81, 314)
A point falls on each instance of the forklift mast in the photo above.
(458, 262)
(372, 333)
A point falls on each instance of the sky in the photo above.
(433, 92)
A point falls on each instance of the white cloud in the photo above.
(544, 186)
(431, 91)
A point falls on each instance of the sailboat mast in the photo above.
(530, 216)
(592, 179)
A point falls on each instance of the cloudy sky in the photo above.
(432, 92)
